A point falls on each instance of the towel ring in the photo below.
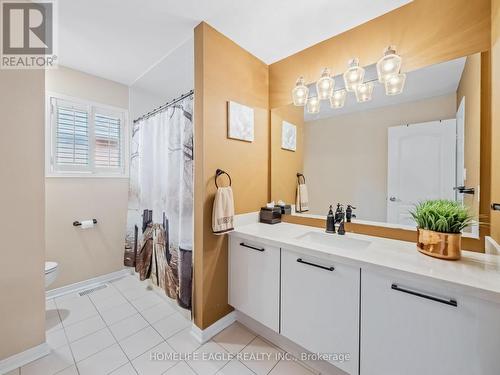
(299, 175)
(220, 172)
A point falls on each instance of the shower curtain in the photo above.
(160, 209)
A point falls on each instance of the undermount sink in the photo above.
(334, 240)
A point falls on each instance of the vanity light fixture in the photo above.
(364, 92)
(300, 92)
(338, 99)
(325, 85)
(354, 75)
(388, 65)
(388, 72)
(313, 104)
(394, 84)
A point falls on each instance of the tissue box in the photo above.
(270, 215)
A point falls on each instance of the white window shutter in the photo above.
(108, 141)
(87, 139)
(71, 138)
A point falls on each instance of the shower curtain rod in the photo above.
(163, 107)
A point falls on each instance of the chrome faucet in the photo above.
(340, 218)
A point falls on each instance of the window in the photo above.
(86, 139)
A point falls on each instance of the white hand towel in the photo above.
(302, 201)
(223, 211)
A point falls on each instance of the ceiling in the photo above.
(121, 40)
(428, 82)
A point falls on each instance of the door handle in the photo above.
(495, 206)
(393, 199)
(252, 247)
(450, 302)
(464, 190)
(300, 260)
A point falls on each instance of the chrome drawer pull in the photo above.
(252, 247)
(300, 260)
(450, 302)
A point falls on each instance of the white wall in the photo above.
(345, 157)
(169, 78)
(83, 254)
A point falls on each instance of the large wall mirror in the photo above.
(386, 154)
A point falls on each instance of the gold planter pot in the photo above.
(439, 245)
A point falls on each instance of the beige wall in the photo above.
(223, 72)
(22, 307)
(83, 254)
(495, 112)
(470, 89)
(285, 163)
(86, 86)
(345, 157)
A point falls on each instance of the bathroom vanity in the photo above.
(391, 309)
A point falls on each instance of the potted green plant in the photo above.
(439, 226)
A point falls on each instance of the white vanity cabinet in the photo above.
(403, 314)
(320, 306)
(254, 279)
(416, 326)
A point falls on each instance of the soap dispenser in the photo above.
(330, 221)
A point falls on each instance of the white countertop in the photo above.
(476, 274)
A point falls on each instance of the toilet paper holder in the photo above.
(77, 223)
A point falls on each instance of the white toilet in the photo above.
(50, 272)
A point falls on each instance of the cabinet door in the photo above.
(413, 327)
(254, 271)
(320, 306)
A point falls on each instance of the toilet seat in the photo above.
(50, 267)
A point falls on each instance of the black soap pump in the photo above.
(330, 221)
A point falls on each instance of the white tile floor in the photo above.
(114, 331)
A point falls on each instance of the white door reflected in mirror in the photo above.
(421, 165)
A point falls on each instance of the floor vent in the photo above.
(92, 290)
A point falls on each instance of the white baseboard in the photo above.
(318, 367)
(491, 246)
(23, 358)
(204, 335)
(87, 284)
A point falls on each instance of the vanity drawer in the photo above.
(414, 327)
(254, 271)
(320, 306)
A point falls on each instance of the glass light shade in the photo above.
(354, 75)
(388, 65)
(313, 104)
(325, 85)
(338, 99)
(364, 92)
(394, 84)
(300, 92)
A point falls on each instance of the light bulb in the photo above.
(354, 75)
(338, 99)
(325, 85)
(364, 92)
(394, 84)
(300, 92)
(388, 65)
(313, 104)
